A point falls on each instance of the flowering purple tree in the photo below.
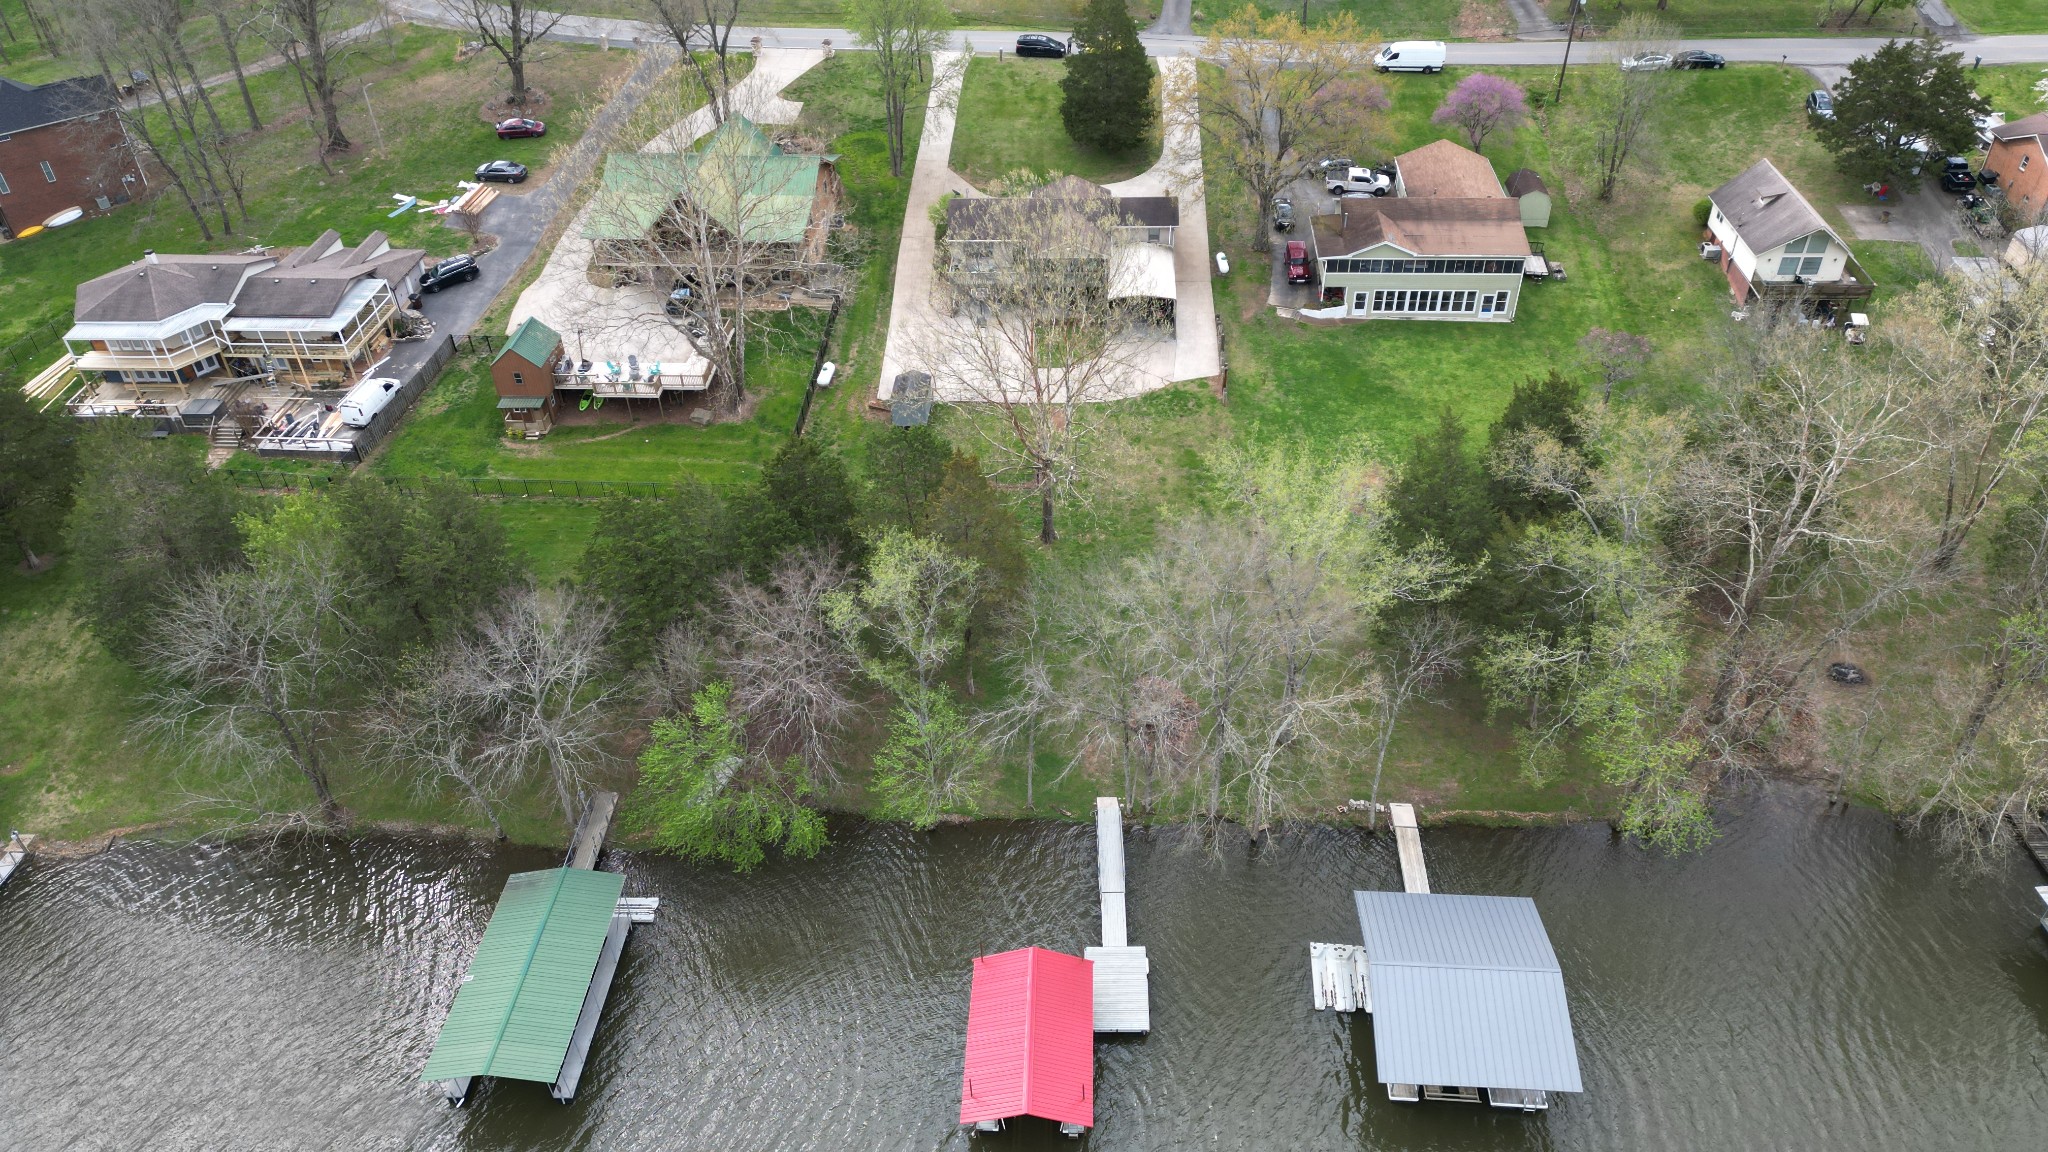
(1483, 104)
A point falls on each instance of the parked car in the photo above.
(1411, 56)
(1363, 181)
(1698, 59)
(504, 171)
(1956, 177)
(1283, 214)
(453, 270)
(365, 400)
(1330, 164)
(1820, 104)
(1985, 124)
(1041, 45)
(1647, 62)
(1297, 262)
(520, 126)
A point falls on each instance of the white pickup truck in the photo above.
(1363, 180)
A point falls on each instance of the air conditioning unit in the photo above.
(102, 203)
(1710, 252)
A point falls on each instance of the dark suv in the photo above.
(1039, 44)
(453, 270)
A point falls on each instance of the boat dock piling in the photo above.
(591, 830)
(1122, 972)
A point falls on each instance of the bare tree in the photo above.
(678, 666)
(1621, 102)
(247, 665)
(1418, 653)
(899, 35)
(232, 19)
(1043, 331)
(703, 26)
(430, 726)
(537, 660)
(1980, 348)
(791, 673)
(1615, 356)
(304, 31)
(1276, 97)
(511, 28)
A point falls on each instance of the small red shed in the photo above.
(1030, 1040)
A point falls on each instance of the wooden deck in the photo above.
(1408, 837)
(1123, 992)
(14, 855)
(592, 829)
(2037, 847)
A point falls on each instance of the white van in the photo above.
(365, 400)
(1410, 56)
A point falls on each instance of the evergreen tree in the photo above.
(147, 518)
(654, 560)
(1900, 106)
(1106, 95)
(1441, 494)
(904, 466)
(803, 500)
(429, 563)
(38, 466)
(1549, 404)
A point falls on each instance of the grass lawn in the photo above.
(1010, 119)
(25, 60)
(1390, 19)
(2010, 87)
(1750, 17)
(2001, 16)
(429, 111)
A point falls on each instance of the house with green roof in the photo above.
(523, 372)
(738, 189)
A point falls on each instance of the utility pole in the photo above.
(1557, 97)
(373, 117)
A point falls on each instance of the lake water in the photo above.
(1813, 981)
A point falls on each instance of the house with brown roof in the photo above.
(61, 147)
(2019, 155)
(1448, 245)
(1774, 244)
(168, 329)
(1137, 232)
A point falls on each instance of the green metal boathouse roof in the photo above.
(517, 1008)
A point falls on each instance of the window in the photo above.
(49, 173)
(518, 380)
(1810, 266)
(1788, 266)
(206, 364)
(4, 189)
(146, 376)
(1358, 302)
(2024, 157)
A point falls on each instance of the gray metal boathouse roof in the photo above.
(1466, 991)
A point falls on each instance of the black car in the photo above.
(1039, 44)
(507, 171)
(453, 270)
(1698, 59)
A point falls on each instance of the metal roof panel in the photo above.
(1030, 1038)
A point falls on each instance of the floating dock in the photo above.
(529, 1006)
(1466, 995)
(1123, 996)
(14, 855)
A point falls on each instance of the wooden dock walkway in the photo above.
(1123, 997)
(1408, 837)
(2037, 847)
(596, 824)
(14, 855)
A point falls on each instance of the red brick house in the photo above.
(61, 146)
(2016, 156)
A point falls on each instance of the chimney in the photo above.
(149, 254)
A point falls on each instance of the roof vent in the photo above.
(149, 254)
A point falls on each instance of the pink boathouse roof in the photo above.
(1030, 1039)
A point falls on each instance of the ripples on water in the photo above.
(1811, 982)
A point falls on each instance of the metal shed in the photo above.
(1030, 1040)
(517, 1013)
(1466, 994)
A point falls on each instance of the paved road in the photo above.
(1802, 51)
(1176, 18)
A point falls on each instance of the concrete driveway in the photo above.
(1929, 218)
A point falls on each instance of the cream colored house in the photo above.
(1773, 242)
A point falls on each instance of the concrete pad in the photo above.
(911, 315)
